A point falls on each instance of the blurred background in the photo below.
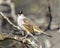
(36, 10)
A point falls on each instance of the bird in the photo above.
(28, 25)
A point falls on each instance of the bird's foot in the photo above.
(24, 37)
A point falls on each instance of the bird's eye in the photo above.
(21, 12)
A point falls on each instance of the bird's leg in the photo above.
(24, 37)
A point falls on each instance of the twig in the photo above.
(48, 15)
(9, 21)
(11, 36)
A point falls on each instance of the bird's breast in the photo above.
(20, 22)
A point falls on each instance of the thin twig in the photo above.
(9, 21)
(48, 15)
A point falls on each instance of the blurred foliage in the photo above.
(6, 42)
(15, 2)
(28, 6)
(34, 8)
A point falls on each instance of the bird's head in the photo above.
(20, 12)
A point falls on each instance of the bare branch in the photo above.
(9, 21)
(48, 15)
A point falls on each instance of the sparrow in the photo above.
(27, 25)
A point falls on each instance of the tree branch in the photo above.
(9, 21)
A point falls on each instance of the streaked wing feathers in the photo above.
(30, 25)
(36, 28)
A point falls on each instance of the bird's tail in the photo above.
(42, 32)
(46, 34)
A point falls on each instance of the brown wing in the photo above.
(31, 26)
(36, 28)
(28, 26)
